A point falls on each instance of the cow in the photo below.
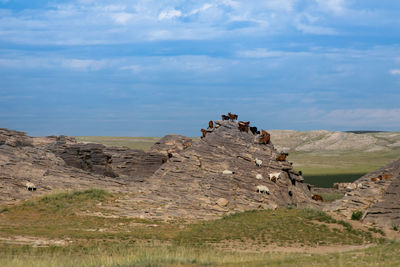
(244, 126)
(262, 189)
(210, 124)
(253, 130)
(385, 176)
(225, 118)
(164, 160)
(258, 162)
(228, 172)
(232, 117)
(30, 186)
(317, 198)
(265, 137)
(169, 155)
(204, 132)
(282, 157)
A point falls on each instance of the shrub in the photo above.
(356, 216)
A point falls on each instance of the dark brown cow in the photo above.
(232, 117)
(225, 118)
(317, 198)
(253, 130)
(204, 133)
(169, 155)
(164, 160)
(210, 124)
(244, 126)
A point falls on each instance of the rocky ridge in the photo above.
(226, 171)
(376, 195)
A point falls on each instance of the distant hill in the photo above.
(322, 140)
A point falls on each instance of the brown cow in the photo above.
(244, 126)
(169, 155)
(282, 157)
(385, 176)
(204, 133)
(265, 137)
(210, 124)
(232, 117)
(225, 118)
(317, 198)
(375, 179)
(164, 160)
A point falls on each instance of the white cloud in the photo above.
(169, 14)
(259, 53)
(380, 118)
(337, 7)
(313, 29)
(83, 64)
(122, 18)
(395, 72)
(201, 9)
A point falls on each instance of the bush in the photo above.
(356, 216)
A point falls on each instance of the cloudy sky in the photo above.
(148, 68)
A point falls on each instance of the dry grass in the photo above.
(96, 241)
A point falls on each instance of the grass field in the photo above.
(143, 143)
(283, 237)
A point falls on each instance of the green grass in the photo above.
(322, 169)
(240, 239)
(142, 143)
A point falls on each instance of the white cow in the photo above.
(258, 162)
(262, 189)
(274, 174)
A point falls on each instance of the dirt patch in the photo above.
(34, 241)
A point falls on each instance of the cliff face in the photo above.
(59, 163)
(376, 194)
(226, 171)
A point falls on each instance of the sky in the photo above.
(150, 68)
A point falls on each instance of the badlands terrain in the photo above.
(222, 200)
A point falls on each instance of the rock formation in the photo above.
(219, 174)
(376, 194)
(228, 170)
(59, 163)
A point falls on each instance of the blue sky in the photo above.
(149, 68)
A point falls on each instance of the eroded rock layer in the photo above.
(226, 171)
(376, 194)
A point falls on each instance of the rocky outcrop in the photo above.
(88, 157)
(172, 144)
(376, 194)
(14, 138)
(218, 175)
(134, 165)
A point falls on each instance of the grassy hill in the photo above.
(72, 229)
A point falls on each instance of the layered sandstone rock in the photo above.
(219, 174)
(376, 194)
